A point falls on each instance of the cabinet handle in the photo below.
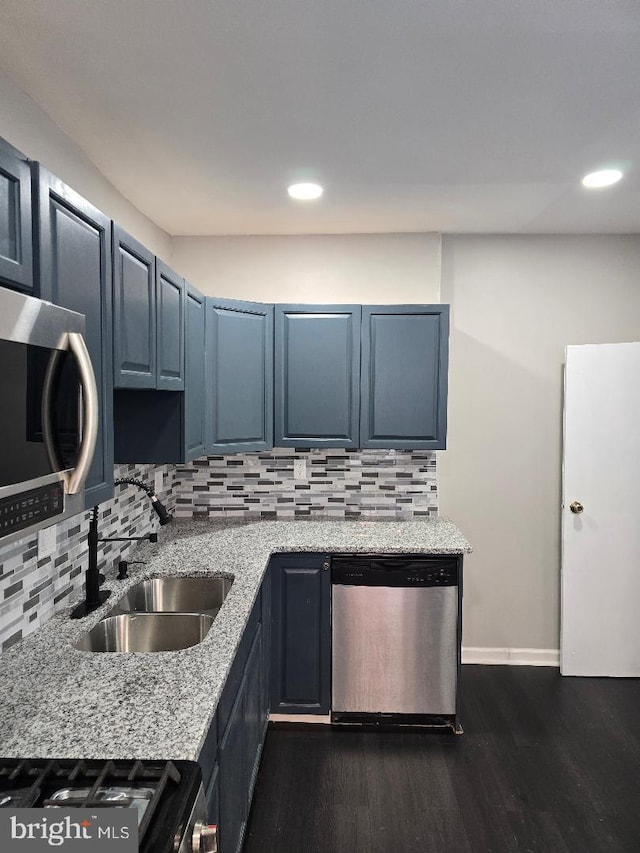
(326, 566)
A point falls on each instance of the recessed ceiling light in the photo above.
(602, 178)
(305, 192)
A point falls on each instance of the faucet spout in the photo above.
(94, 596)
(161, 511)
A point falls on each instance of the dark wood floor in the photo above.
(546, 764)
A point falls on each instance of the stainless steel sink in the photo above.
(176, 595)
(146, 632)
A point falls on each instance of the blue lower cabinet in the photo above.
(232, 760)
(300, 634)
(242, 719)
(212, 797)
(255, 716)
(266, 644)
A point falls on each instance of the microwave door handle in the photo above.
(50, 442)
(90, 409)
(80, 409)
(74, 342)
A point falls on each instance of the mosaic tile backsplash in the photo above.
(281, 483)
(33, 589)
(286, 483)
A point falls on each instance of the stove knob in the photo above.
(205, 837)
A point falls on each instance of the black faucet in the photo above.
(94, 597)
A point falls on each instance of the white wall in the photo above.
(360, 268)
(516, 302)
(28, 128)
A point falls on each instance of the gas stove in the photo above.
(167, 795)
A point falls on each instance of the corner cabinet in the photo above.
(317, 372)
(16, 238)
(300, 634)
(73, 269)
(239, 376)
(403, 386)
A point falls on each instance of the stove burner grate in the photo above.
(28, 782)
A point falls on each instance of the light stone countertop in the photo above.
(57, 702)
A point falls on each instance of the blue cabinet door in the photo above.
(300, 634)
(170, 328)
(73, 269)
(404, 376)
(134, 313)
(254, 712)
(239, 376)
(240, 750)
(16, 239)
(212, 798)
(265, 591)
(194, 383)
(233, 764)
(241, 716)
(317, 373)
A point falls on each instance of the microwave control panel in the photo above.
(31, 507)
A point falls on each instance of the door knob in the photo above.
(576, 507)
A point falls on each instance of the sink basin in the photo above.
(176, 595)
(146, 632)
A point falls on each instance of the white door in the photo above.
(600, 618)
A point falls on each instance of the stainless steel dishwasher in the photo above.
(395, 640)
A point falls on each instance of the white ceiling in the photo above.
(416, 115)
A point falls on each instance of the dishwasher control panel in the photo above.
(391, 571)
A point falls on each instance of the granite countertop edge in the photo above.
(58, 702)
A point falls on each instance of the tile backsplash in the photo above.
(281, 483)
(286, 483)
(33, 589)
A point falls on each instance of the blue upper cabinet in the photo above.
(163, 426)
(170, 328)
(194, 381)
(16, 239)
(134, 313)
(73, 269)
(239, 376)
(404, 376)
(317, 372)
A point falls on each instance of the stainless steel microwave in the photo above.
(48, 414)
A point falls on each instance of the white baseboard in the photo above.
(514, 657)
